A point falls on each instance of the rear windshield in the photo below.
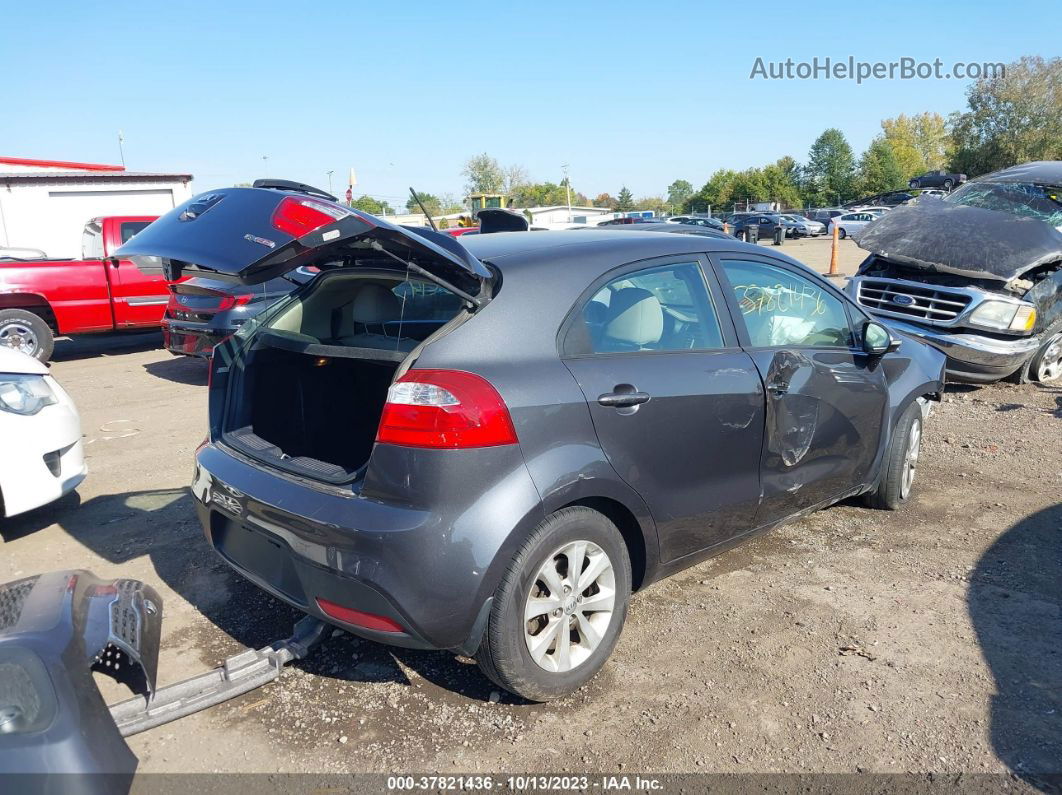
(1025, 199)
(379, 311)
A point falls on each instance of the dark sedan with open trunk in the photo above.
(485, 447)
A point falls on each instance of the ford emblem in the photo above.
(902, 300)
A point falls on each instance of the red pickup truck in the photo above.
(44, 298)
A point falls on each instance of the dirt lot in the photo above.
(856, 640)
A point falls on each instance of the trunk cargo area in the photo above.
(311, 412)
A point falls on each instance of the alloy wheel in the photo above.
(1050, 366)
(20, 337)
(569, 607)
(910, 459)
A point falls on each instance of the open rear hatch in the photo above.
(338, 341)
(251, 235)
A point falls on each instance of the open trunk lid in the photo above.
(251, 235)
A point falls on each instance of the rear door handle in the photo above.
(621, 400)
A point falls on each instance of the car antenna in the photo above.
(416, 198)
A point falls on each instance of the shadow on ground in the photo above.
(190, 370)
(1015, 603)
(163, 526)
(88, 345)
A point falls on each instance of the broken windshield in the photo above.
(1025, 199)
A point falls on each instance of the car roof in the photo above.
(541, 249)
(1047, 172)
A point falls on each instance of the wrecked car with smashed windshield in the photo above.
(978, 274)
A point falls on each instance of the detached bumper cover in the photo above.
(972, 356)
(55, 630)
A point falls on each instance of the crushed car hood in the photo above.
(967, 241)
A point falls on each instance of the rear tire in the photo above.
(592, 616)
(26, 331)
(947, 184)
(914, 184)
(841, 233)
(900, 464)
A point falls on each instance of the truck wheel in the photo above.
(1046, 364)
(559, 609)
(27, 332)
(900, 464)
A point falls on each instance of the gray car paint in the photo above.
(427, 535)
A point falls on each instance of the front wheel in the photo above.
(901, 462)
(1046, 364)
(26, 332)
(559, 609)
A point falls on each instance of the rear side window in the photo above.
(667, 308)
(130, 228)
(779, 307)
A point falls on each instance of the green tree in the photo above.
(624, 201)
(830, 172)
(1012, 118)
(781, 181)
(367, 204)
(678, 193)
(431, 204)
(450, 204)
(749, 186)
(717, 192)
(483, 174)
(658, 204)
(879, 170)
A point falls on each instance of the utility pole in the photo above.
(568, 190)
(121, 151)
(329, 181)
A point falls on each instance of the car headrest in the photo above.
(375, 304)
(636, 317)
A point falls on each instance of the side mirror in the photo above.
(877, 341)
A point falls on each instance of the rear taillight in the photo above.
(445, 409)
(358, 618)
(228, 301)
(297, 217)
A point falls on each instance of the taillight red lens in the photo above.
(358, 618)
(445, 409)
(228, 301)
(297, 217)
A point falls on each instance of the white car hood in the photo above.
(12, 361)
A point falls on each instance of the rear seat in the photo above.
(361, 322)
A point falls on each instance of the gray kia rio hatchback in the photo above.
(486, 446)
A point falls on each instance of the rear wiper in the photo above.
(475, 301)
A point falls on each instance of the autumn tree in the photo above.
(483, 174)
(1012, 118)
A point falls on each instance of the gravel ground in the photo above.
(855, 640)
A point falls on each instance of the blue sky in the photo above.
(406, 92)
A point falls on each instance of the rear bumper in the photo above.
(431, 569)
(189, 340)
(973, 358)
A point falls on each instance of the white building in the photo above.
(44, 204)
(557, 217)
